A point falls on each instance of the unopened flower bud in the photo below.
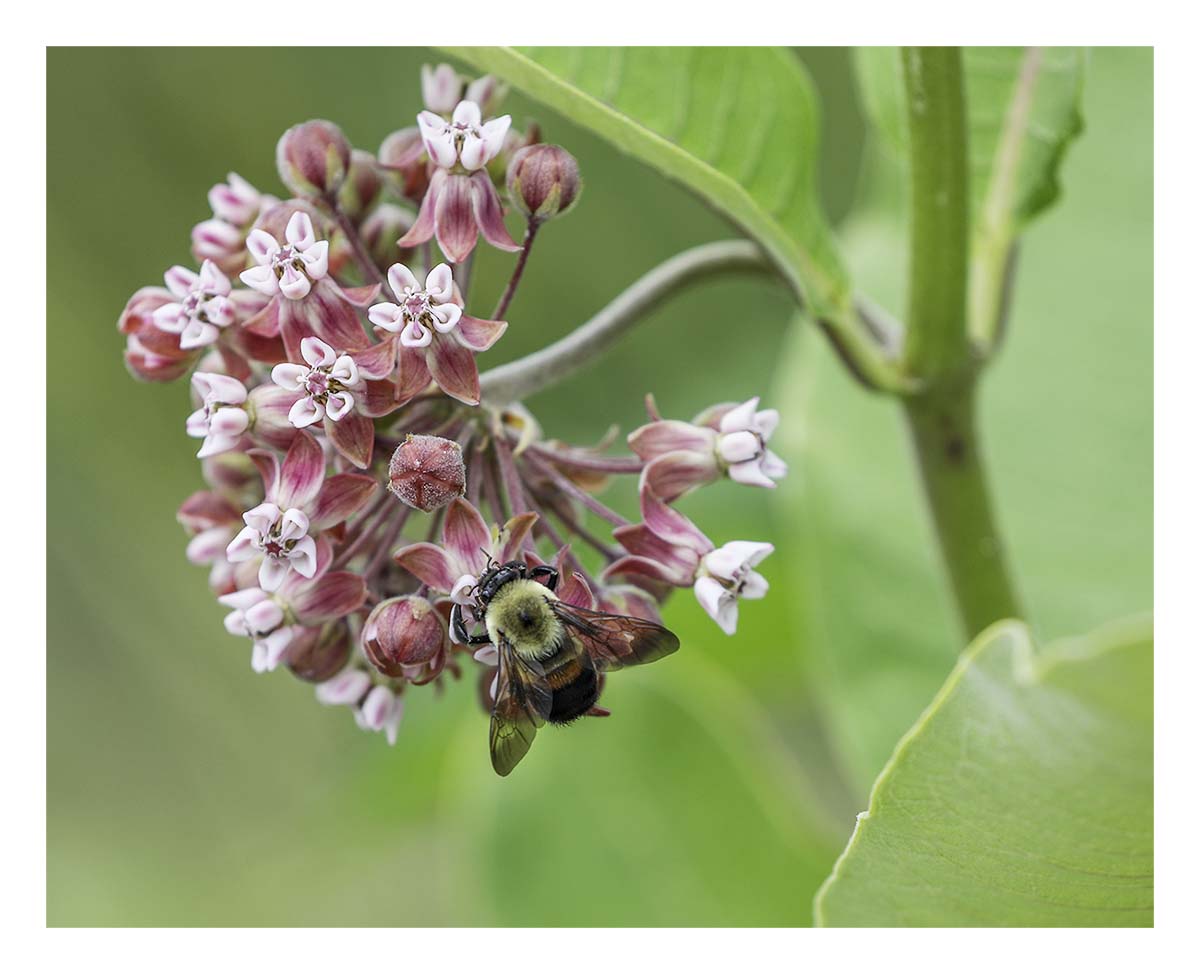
(403, 153)
(427, 472)
(403, 634)
(384, 225)
(441, 88)
(319, 654)
(487, 92)
(313, 158)
(543, 181)
(362, 185)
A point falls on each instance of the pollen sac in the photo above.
(313, 158)
(427, 472)
(402, 635)
(543, 181)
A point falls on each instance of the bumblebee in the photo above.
(551, 654)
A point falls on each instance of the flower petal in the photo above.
(453, 368)
(262, 247)
(302, 473)
(466, 536)
(489, 215)
(303, 557)
(479, 334)
(305, 412)
(439, 283)
(718, 603)
(376, 361)
(670, 525)
(512, 536)
(672, 475)
(425, 223)
(726, 561)
(678, 563)
(669, 435)
(341, 496)
(454, 219)
(353, 436)
(467, 113)
(271, 573)
(430, 564)
(331, 596)
(289, 376)
(740, 417)
(299, 231)
(750, 472)
(738, 447)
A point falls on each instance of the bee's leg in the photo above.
(459, 627)
(547, 575)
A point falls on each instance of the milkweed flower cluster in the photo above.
(358, 479)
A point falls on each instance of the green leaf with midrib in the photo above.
(1023, 796)
(737, 126)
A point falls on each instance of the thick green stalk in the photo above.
(941, 416)
(946, 442)
(939, 191)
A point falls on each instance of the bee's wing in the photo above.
(614, 641)
(523, 700)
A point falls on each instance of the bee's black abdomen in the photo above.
(574, 699)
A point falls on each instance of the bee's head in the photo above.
(495, 576)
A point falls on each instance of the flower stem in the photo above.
(600, 464)
(566, 486)
(361, 255)
(941, 415)
(516, 380)
(531, 229)
(936, 340)
(946, 441)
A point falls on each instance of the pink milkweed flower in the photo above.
(304, 298)
(727, 575)
(273, 620)
(422, 310)
(376, 707)
(222, 239)
(461, 201)
(202, 306)
(211, 522)
(152, 354)
(324, 384)
(220, 420)
(289, 269)
(727, 439)
(236, 201)
(300, 501)
(281, 539)
(256, 615)
(667, 547)
(437, 339)
(381, 710)
(466, 140)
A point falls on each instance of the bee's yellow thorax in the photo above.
(520, 612)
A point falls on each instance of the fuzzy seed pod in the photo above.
(427, 472)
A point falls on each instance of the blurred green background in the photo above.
(185, 790)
